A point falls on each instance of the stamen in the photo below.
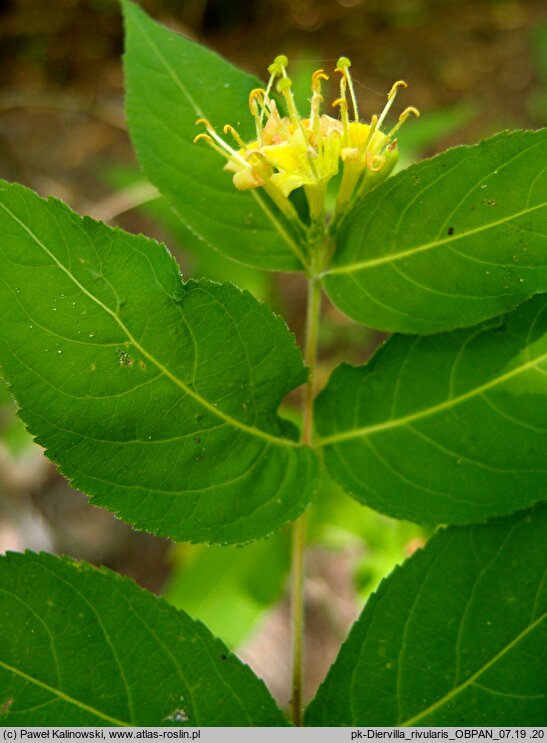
(371, 131)
(291, 152)
(206, 138)
(284, 86)
(223, 146)
(395, 87)
(256, 100)
(315, 110)
(343, 105)
(228, 129)
(316, 78)
(343, 66)
(343, 82)
(206, 123)
(267, 93)
(402, 118)
(390, 98)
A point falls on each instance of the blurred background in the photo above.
(473, 67)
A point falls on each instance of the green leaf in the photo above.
(449, 428)
(456, 636)
(448, 242)
(198, 259)
(229, 588)
(81, 646)
(171, 82)
(157, 398)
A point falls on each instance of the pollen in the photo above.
(290, 151)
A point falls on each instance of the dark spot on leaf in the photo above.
(223, 657)
(4, 709)
(197, 440)
(450, 230)
(501, 328)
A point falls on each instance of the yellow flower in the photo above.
(291, 152)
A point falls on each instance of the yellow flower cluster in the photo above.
(291, 152)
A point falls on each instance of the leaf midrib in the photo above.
(62, 695)
(278, 441)
(461, 687)
(451, 402)
(392, 257)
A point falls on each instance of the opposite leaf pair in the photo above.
(159, 398)
(453, 637)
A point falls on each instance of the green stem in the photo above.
(297, 615)
(299, 526)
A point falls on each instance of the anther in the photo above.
(394, 88)
(402, 118)
(343, 105)
(217, 143)
(410, 110)
(256, 99)
(206, 123)
(390, 98)
(228, 129)
(316, 78)
(205, 137)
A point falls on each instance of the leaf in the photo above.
(157, 398)
(456, 636)
(449, 428)
(144, 662)
(170, 83)
(202, 261)
(229, 588)
(448, 242)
